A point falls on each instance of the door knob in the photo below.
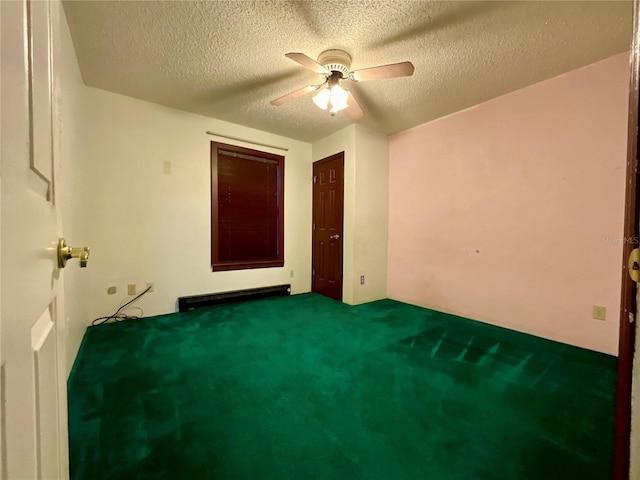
(335, 237)
(66, 252)
(634, 265)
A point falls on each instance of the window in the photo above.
(247, 214)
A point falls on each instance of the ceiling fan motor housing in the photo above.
(336, 61)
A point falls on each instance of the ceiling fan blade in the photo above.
(307, 62)
(402, 69)
(353, 108)
(295, 94)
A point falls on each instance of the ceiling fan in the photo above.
(334, 65)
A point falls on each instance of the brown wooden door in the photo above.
(328, 205)
(629, 307)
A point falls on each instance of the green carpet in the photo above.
(303, 387)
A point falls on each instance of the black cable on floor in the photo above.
(118, 316)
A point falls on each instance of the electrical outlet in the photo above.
(361, 279)
(151, 286)
(599, 313)
(111, 290)
(131, 289)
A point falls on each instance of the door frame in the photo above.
(628, 304)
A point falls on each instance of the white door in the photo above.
(33, 398)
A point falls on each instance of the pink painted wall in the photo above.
(511, 212)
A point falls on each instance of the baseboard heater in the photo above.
(208, 300)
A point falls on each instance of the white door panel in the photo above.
(39, 37)
(33, 393)
(43, 344)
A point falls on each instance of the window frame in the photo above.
(218, 265)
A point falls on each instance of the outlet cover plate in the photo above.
(599, 312)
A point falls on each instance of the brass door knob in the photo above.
(335, 237)
(66, 252)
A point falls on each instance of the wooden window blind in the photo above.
(247, 190)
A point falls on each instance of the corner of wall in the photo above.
(372, 215)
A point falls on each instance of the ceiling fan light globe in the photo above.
(339, 97)
(322, 98)
(337, 108)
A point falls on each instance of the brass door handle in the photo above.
(335, 237)
(66, 252)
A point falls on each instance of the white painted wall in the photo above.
(69, 94)
(150, 226)
(371, 229)
(142, 224)
(366, 167)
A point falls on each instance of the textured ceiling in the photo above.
(225, 59)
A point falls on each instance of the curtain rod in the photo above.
(247, 141)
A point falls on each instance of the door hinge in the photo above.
(313, 272)
(314, 226)
(315, 179)
(634, 265)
